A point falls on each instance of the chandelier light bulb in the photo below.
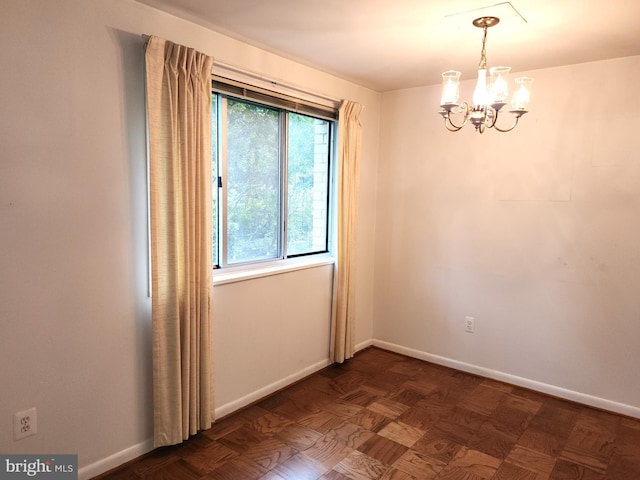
(522, 95)
(450, 88)
(481, 94)
(499, 84)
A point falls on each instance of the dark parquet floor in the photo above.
(385, 416)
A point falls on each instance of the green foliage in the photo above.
(253, 181)
(300, 184)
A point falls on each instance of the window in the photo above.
(272, 170)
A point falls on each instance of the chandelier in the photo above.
(488, 99)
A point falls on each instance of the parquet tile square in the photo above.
(389, 408)
(235, 469)
(381, 448)
(407, 396)
(294, 409)
(454, 431)
(270, 423)
(342, 408)
(421, 386)
(333, 475)
(445, 395)
(350, 434)
(531, 460)
(242, 439)
(424, 416)
(360, 396)
(623, 468)
(418, 465)
(470, 463)
(394, 474)
(542, 442)
(565, 470)
(350, 380)
(270, 453)
(467, 418)
(321, 421)
(386, 381)
(210, 457)
(510, 421)
(358, 466)
(483, 399)
(585, 457)
(554, 418)
(627, 441)
(493, 442)
(299, 467)
(523, 404)
(401, 433)
(298, 436)
(439, 449)
(383, 416)
(508, 471)
(327, 452)
(370, 420)
(409, 367)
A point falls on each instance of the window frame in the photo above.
(228, 89)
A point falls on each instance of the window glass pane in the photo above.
(253, 184)
(214, 178)
(308, 185)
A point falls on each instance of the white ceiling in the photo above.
(392, 44)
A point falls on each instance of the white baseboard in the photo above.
(560, 392)
(115, 460)
(256, 395)
(363, 345)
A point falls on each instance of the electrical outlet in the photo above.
(469, 324)
(24, 424)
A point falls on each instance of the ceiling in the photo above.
(393, 44)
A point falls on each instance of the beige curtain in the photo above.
(343, 312)
(179, 116)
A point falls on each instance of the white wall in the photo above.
(535, 233)
(75, 339)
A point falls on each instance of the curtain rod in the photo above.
(257, 76)
(275, 83)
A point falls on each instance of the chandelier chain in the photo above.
(483, 53)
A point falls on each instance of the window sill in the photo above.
(221, 277)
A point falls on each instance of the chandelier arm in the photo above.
(508, 129)
(448, 121)
(451, 127)
(492, 117)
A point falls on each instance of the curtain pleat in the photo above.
(343, 309)
(179, 121)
